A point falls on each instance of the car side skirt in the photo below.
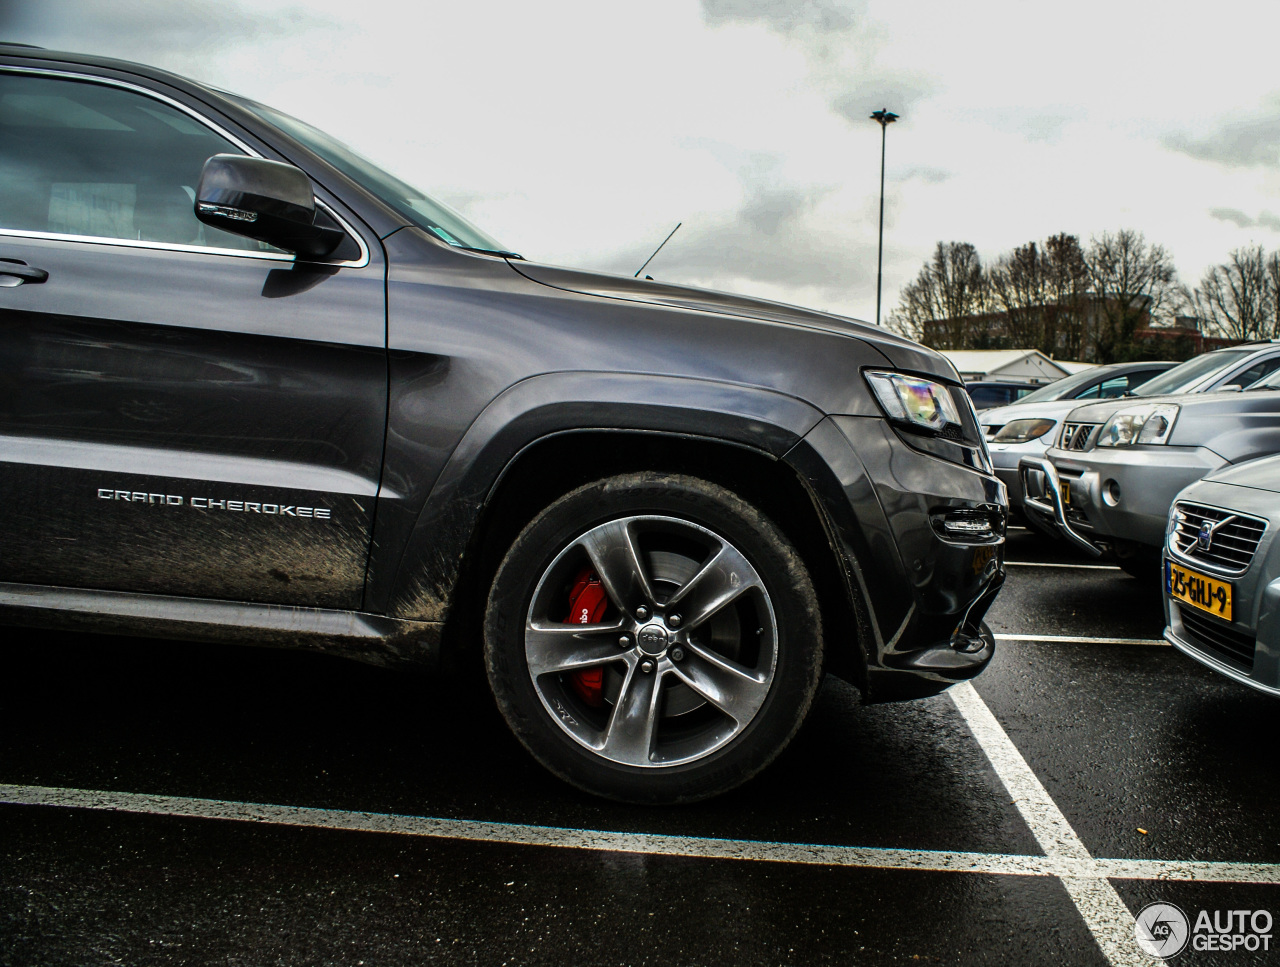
(369, 638)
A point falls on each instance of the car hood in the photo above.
(1204, 403)
(1049, 409)
(1260, 474)
(901, 352)
(1204, 419)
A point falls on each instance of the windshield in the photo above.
(412, 205)
(1061, 388)
(1178, 379)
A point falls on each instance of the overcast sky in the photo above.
(579, 133)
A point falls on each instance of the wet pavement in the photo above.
(1123, 738)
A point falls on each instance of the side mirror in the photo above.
(265, 200)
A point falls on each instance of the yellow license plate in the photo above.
(1064, 488)
(1198, 590)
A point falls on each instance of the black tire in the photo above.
(1139, 561)
(720, 699)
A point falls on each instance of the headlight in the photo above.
(919, 403)
(1151, 423)
(1020, 431)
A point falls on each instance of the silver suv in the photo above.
(1116, 466)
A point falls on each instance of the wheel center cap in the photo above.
(653, 639)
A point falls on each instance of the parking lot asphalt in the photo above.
(391, 819)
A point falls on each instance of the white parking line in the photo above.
(656, 844)
(1081, 567)
(1078, 639)
(1108, 919)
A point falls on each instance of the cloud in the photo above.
(786, 16)
(841, 43)
(148, 30)
(727, 254)
(1233, 215)
(1238, 218)
(1241, 142)
(926, 173)
(1035, 125)
(778, 242)
(867, 89)
(775, 209)
(777, 234)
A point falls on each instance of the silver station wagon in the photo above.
(1222, 573)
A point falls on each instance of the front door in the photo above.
(182, 411)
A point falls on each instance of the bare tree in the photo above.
(1054, 296)
(1272, 269)
(1018, 286)
(1042, 291)
(949, 292)
(1238, 298)
(1067, 289)
(1133, 283)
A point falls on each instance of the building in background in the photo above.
(1184, 339)
(1093, 330)
(1073, 367)
(1023, 365)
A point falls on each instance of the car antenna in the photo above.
(657, 250)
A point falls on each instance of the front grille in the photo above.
(1225, 642)
(1232, 545)
(1076, 436)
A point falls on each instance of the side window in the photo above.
(985, 397)
(1140, 377)
(1255, 372)
(1090, 394)
(78, 158)
(1114, 387)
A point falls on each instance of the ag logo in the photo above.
(1161, 930)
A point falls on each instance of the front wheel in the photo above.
(653, 638)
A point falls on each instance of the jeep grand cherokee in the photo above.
(256, 389)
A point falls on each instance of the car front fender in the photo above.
(422, 583)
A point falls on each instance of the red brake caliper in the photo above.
(587, 603)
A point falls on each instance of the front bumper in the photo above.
(1246, 649)
(1116, 495)
(1264, 671)
(1005, 458)
(922, 590)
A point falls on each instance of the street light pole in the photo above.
(885, 117)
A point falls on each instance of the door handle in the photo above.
(20, 272)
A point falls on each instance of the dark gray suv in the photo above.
(257, 390)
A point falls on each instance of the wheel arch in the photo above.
(549, 434)
(584, 455)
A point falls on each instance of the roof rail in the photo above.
(14, 43)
